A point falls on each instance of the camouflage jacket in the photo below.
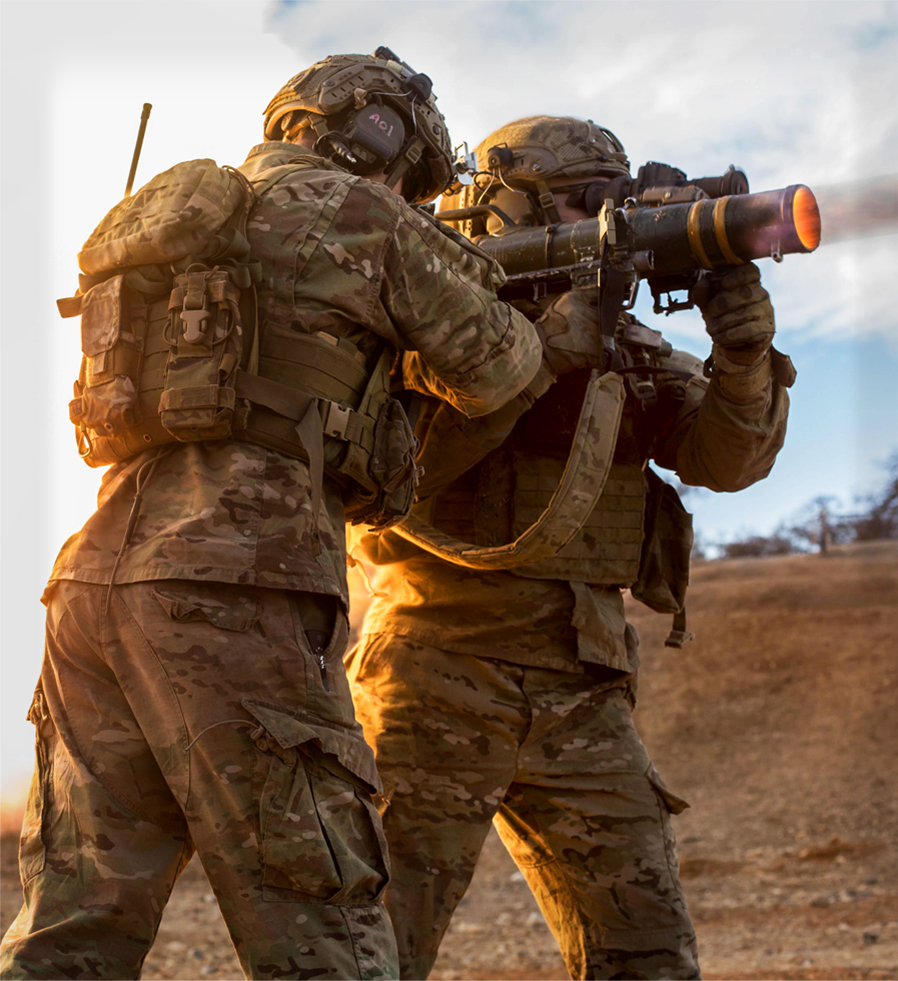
(346, 256)
(715, 437)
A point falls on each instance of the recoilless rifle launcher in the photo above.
(659, 226)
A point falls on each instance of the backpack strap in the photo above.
(679, 635)
(293, 403)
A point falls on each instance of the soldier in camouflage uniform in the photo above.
(507, 696)
(193, 697)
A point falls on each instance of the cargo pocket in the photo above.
(228, 607)
(320, 835)
(668, 804)
(32, 845)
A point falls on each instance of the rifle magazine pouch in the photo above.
(106, 390)
(664, 564)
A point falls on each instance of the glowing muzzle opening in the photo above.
(806, 218)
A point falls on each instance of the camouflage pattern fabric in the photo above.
(553, 759)
(563, 774)
(349, 258)
(563, 509)
(717, 436)
(221, 511)
(195, 717)
(362, 264)
(173, 215)
(194, 714)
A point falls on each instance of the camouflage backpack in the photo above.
(171, 349)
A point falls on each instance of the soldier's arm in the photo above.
(464, 345)
(728, 432)
(452, 443)
(468, 347)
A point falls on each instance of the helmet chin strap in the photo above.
(547, 202)
(407, 157)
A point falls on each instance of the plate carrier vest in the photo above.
(172, 349)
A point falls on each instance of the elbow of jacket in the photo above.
(740, 481)
(722, 479)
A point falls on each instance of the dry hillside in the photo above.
(779, 724)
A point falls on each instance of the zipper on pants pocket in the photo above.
(318, 642)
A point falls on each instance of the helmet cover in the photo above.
(543, 147)
(341, 86)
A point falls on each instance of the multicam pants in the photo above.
(193, 716)
(553, 759)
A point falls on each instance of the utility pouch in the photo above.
(205, 334)
(113, 324)
(664, 564)
(393, 466)
(383, 475)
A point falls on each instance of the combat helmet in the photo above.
(370, 113)
(527, 154)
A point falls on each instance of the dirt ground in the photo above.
(779, 725)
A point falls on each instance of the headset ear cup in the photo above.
(375, 132)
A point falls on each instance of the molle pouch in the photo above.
(113, 325)
(383, 472)
(205, 335)
(664, 565)
(393, 464)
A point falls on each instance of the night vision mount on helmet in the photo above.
(371, 114)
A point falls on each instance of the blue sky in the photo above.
(791, 92)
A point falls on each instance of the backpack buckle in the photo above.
(196, 304)
(195, 323)
(336, 420)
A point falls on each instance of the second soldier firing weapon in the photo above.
(665, 230)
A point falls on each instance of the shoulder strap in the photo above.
(574, 500)
(678, 635)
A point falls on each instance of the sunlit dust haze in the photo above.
(699, 85)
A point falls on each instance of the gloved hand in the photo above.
(569, 332)
(737, 311)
